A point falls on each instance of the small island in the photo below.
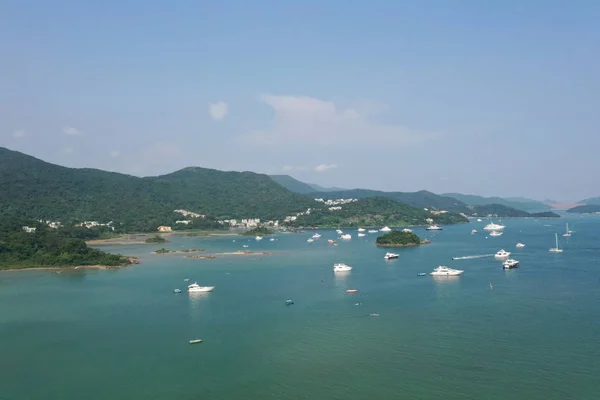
(400, 239)
(258, 231)
(156, 239)
(167, 251)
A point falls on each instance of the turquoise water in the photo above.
(124, 334)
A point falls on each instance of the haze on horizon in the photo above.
(495, 99)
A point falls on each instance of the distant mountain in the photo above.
(585, 209)
(504, 211)
(293, 184)
(36, 189)
(324, 189)
(520, 203)
(591, 200)
(421, 199)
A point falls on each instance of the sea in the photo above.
(528, 333)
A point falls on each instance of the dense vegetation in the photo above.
(398, 239)
(293, 184)
(585, 209)
(36, 189)
(47, 247)
(156, 239)
(373, 211)
(522, 204)
(258, 231)
(504, 211)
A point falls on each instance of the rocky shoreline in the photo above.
(132, 261)
(404, 245)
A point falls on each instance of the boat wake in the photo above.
(472, 257)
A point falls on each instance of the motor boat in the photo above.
(176, 290)
(445, 271)
(385, 229)
(339, 231)
(502, 254)
(520, 245)
(331, 241)
(373, 231)
(310, 240)
(194, 287)
(258, 238)
(433, 228)
(493, 227)
(351, 291)
(341, 267)
(510, 263)
(474, 231)
(495, 233)
(347, 236)
(390, 256)
(361, 229)
(316, 236)
(406, 230)
(361, 235)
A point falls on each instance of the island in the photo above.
(258, 231)
(167, 251)
(156, 239)
(585, 209)
(400, 239)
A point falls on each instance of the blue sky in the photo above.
(491, 98)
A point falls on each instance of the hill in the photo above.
(293, 184)
(585, 209)
(37, 189)
(591, 200)
(373, 211)
(421, 199)
(520, 203)
(504, 211)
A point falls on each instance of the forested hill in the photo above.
(519, 204)
(37, 189)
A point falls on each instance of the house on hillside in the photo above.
(164, 228)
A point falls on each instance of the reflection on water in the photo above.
(440, 279)
(341, 276)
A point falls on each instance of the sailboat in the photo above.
(556, 249)
(567, 231)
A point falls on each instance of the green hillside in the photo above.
(504, 211)
(293, 184)
(517, 203)
(373, 211)
(37, 189)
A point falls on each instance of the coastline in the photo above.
(423, 242)
(132, 261)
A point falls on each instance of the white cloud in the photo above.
(71, 131)
(308, 121)
(19, 133)
(324, 167)
(114, 154)
(218, 110)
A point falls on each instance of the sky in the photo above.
(491, 98)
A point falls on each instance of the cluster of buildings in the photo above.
(95, 224)
(51, 224)
(336, 202)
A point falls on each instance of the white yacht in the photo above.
(316, 236)
(520, 245)
(495, 233)
(474, 231)
(341, 267)
(479, 219)
(493, 227)
(390, 256)
(567, 231)
(556, 249)
(361, 229)
(373, 231)
(445, 271)
(347, 236)
(385, 229)
(310, 240)
(258, 238)
(339, 231)
(502, 254)
(361, 235)
(510, 263)
(194, 287)
(406, 230)
(433, 228)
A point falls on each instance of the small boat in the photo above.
(341, 267)
(272, 240)
(339, 231)
(347, 236)
(433, 228)
(520, 245)
(390, 256)
(195, 341)
(510, 264)
(310, 240)
(351, 291)
(445, 271)
(422, 274)
(556, 249)
(361, 235)
(361, 229)
(495, 233)
(502, 254)
(330, 241)
(406, 230)
(316, 236)
(479, 220)
(245, 245)
(374, 315)
(474, 231)
(176, 290)
(493, 227)
(385, 229)
(289, 302)
(567, 231)
(373, 231)
(194, 287)
(186, 279)
(258, 238)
